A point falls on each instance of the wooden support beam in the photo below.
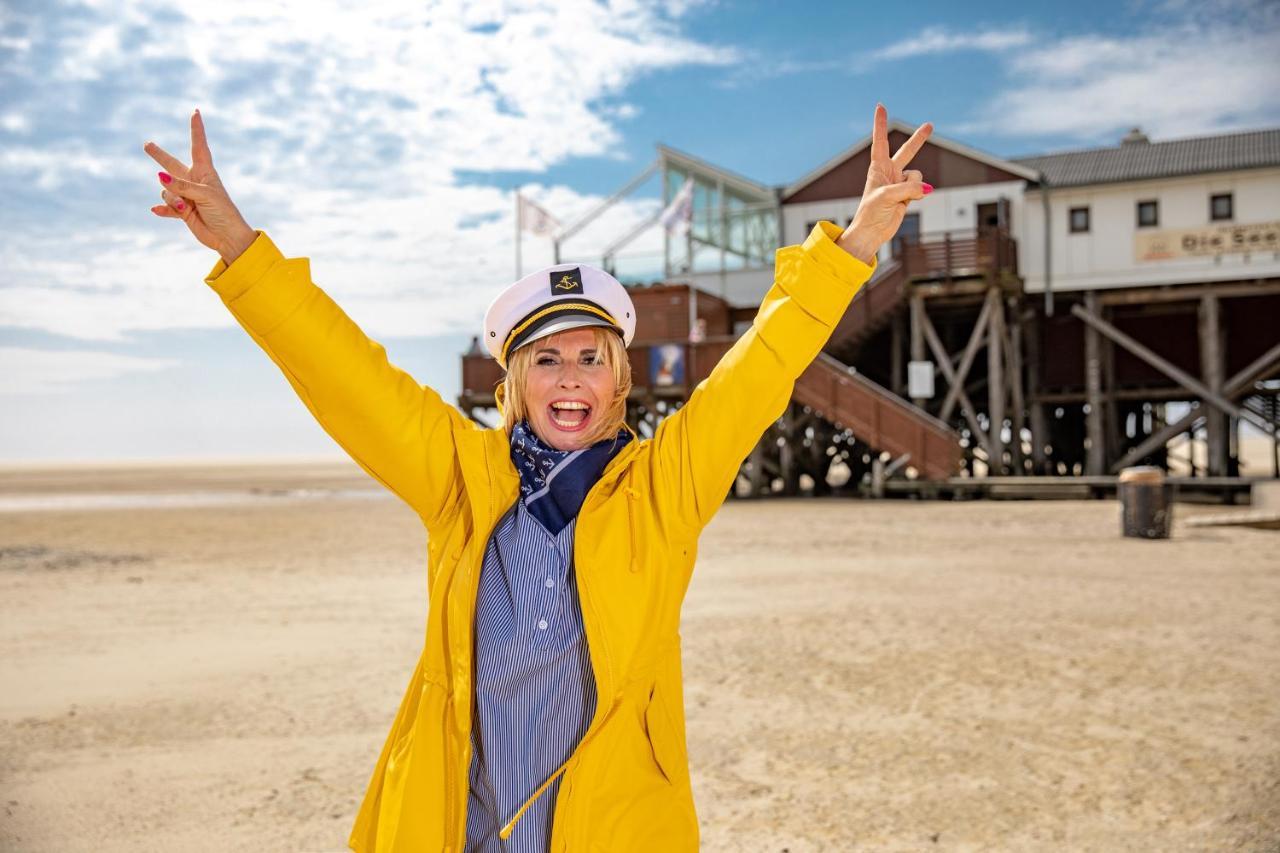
(1018, 401)
(1209, 323)
(995, 383)
(966, 361)
(917, 337)
(1191, 293)
(1039, 415)
(1164, 366)
(1235, 385)
(1095, 459)
(1110, 409)
(944, 362)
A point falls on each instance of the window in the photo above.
(1079, 220)
(908, 234)
(1148, 214)
(1220, 207)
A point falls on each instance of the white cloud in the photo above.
(36, 371)
(939, 40)
(350, 132)
(15, 123)
(1181, 80)
(1196, 71)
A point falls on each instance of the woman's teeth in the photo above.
(570, 415)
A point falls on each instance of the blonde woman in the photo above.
(545, 712)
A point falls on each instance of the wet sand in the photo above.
(219, 674)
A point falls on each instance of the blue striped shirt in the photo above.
(535, 691)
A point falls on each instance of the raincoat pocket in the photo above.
(393, 781)
(667, 751)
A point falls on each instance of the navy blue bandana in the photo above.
(554, 483)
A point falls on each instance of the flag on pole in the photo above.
(678, 214)
(535, 219)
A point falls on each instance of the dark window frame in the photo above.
(1231, 207)
(1147, 204)
(1071, 220)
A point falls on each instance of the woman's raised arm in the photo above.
(402, 433)
(698, 450)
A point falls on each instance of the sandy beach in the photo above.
(208, 658)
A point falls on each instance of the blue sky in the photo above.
(383, 140)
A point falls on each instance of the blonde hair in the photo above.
(610, 351)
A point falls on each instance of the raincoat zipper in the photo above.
(505, 832)
(510, 826)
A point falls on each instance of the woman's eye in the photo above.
(546, 359)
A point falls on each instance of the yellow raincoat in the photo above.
(626, 786)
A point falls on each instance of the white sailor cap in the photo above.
(552, 300)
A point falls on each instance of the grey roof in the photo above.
(1135, 161)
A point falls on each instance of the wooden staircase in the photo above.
(879, 418)
(871, 310)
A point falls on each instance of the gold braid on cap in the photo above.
(552, 309)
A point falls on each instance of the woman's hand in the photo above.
(890, 186)
(196, 196)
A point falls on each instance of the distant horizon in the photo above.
(1255, 448)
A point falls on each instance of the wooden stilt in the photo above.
(1039, 414)
(1186, 380)
(1095, 459)
(1210, 327)
(966, 361)
(1235, 385)
(966, 405)
(1017, 397)
(1110, 409)
(917, 337)
(995, 384)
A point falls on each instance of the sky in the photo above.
(385, 141)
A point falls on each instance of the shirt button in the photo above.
(542, 624)
(551, 584)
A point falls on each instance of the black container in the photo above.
(1146, 503)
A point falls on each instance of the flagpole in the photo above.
(519, 235)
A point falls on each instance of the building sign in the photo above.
(920, 379)
(666, 365)
(1207, 241)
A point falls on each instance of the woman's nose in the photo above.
(569, 376)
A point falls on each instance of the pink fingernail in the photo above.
(165, 177)
(179, 205)
(928, 188)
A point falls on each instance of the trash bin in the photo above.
(1146, 503)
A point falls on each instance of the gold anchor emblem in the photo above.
(565, 283)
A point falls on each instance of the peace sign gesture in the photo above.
(890, 187)
(195, 195)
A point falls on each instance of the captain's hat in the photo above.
(552, 300)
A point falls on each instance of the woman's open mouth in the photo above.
(570, 415)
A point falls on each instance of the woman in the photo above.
(545, 711)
